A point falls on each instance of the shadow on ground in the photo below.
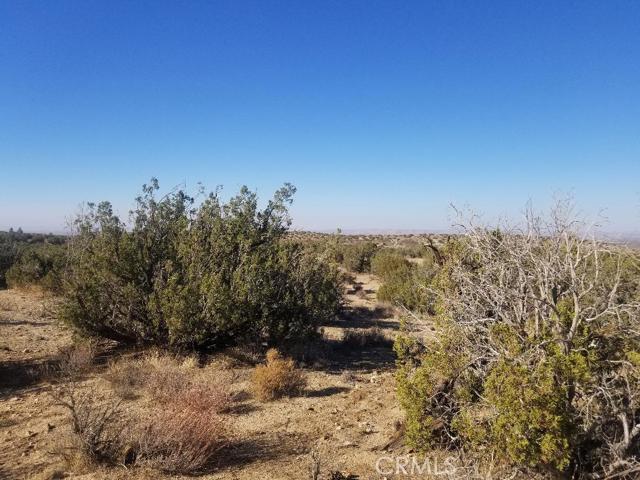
(365, 317)
(261, 448)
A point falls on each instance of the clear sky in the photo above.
(380, 112)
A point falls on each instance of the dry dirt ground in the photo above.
(348, 415)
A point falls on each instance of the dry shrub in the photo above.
(187, 433)
(204, 397)
(181, 440)
(278, 378)
(126, 377)
(162, 376)
(76, 358)
(361, 338)
(168, 376)
(8, 305)
(317, 353)
(172, 381)
(96, 429)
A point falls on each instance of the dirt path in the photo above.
(347, 415)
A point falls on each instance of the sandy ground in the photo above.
(348, 414)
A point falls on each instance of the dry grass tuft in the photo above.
(205, 397)
(171, 380)
(126, 377)
(279, 377)
(166, 377)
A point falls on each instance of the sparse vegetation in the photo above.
(186, 434)
(517, 349)
(181, 434)
(126, 377)
(170, 380)
(76, 358)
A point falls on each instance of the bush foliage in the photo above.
(535, 357)
(356, 257)
(40, 265)
(402, 281)
(27, 258)
(195, 276)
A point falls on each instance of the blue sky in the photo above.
(381, 113)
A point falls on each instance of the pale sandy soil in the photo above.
(348, 414)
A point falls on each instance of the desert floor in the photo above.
(348, 416)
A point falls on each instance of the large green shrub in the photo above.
(196, 276)
(535, 359)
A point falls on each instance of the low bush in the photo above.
(356, 257)
(38, 265)
(76, 358)
(390, 262)
(167, 376)
(365, 337)
(181, 441)
(279, 377)
(171, 381)
(127, 377)
(197, 277)
(96, 429)
(205, 397)
(15, 242)
(185, 435)
(403, 282)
